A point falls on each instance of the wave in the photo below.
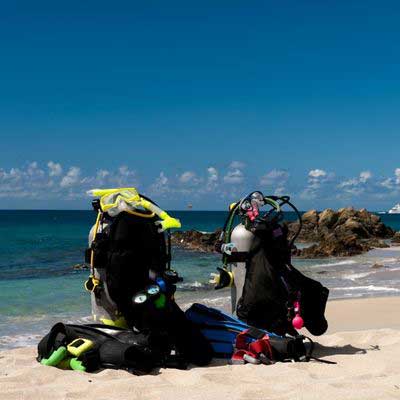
(334, 264)
(360, 275)
(12, 342)
(193, 286)
(391, 260)
(371, 288)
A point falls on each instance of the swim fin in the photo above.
(219, 328)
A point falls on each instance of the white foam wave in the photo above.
(360, 275)
(371, 288)
(391, 260)
(24, 340)
(334, 264)
(191, 285)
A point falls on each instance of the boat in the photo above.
(395, 209)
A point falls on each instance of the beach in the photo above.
(363, 339)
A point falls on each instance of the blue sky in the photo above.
(198, 102)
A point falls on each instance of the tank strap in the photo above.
(242, 256)
(237, 256)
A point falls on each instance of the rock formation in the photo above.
(345, 232)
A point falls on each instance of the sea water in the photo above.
(39, 287)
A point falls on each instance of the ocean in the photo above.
(39, 287)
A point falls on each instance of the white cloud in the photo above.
(365, 176)
(318, 181)
(237, 165)
(102, 174)
(160, 185)
(277, 179)
(274, 177)
(317, 173)
(212, 174)
(212, 178)
(162, 179)
(187, 177)
(388, 183)
(34, 170)
(71, 178)
(234, 176)
(356, 186)
(397, 174)
(55, 169)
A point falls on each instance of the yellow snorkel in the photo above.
(113, 201)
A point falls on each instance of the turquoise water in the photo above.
(39, 287)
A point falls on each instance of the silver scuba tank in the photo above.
(244, 241)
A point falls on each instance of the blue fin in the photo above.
(219, 328)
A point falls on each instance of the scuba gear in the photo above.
(127, 252)
(234, 339)
(243, 240)
(119, 348)
(79, 346)
(228, 248)
(151, 293)
(60, 357)
(112, 348)
(267, 291)
(55, 357)
(223, 279)
(132, 284)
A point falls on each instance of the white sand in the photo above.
(364, 340)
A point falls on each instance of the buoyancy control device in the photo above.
(129, 249)
(267, 291)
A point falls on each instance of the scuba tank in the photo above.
(268, 292)
(243, 240)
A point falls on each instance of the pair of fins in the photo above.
(219, 328)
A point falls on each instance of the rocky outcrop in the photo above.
(396, 238)
(342, 223)
(333, 246)
(195, 240)
(345, 232)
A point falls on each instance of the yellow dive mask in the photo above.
(113, 201)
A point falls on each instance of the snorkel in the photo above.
(114, 201)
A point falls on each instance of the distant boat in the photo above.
(395, 209)
(190, 206)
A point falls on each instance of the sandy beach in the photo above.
(363, 338)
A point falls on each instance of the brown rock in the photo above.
(354, 226)
(195, 240)
(396, 237)
(310, 217)
(345, 214)
(377, 243)
(327, 218)
(333, 246)
(377, 265)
